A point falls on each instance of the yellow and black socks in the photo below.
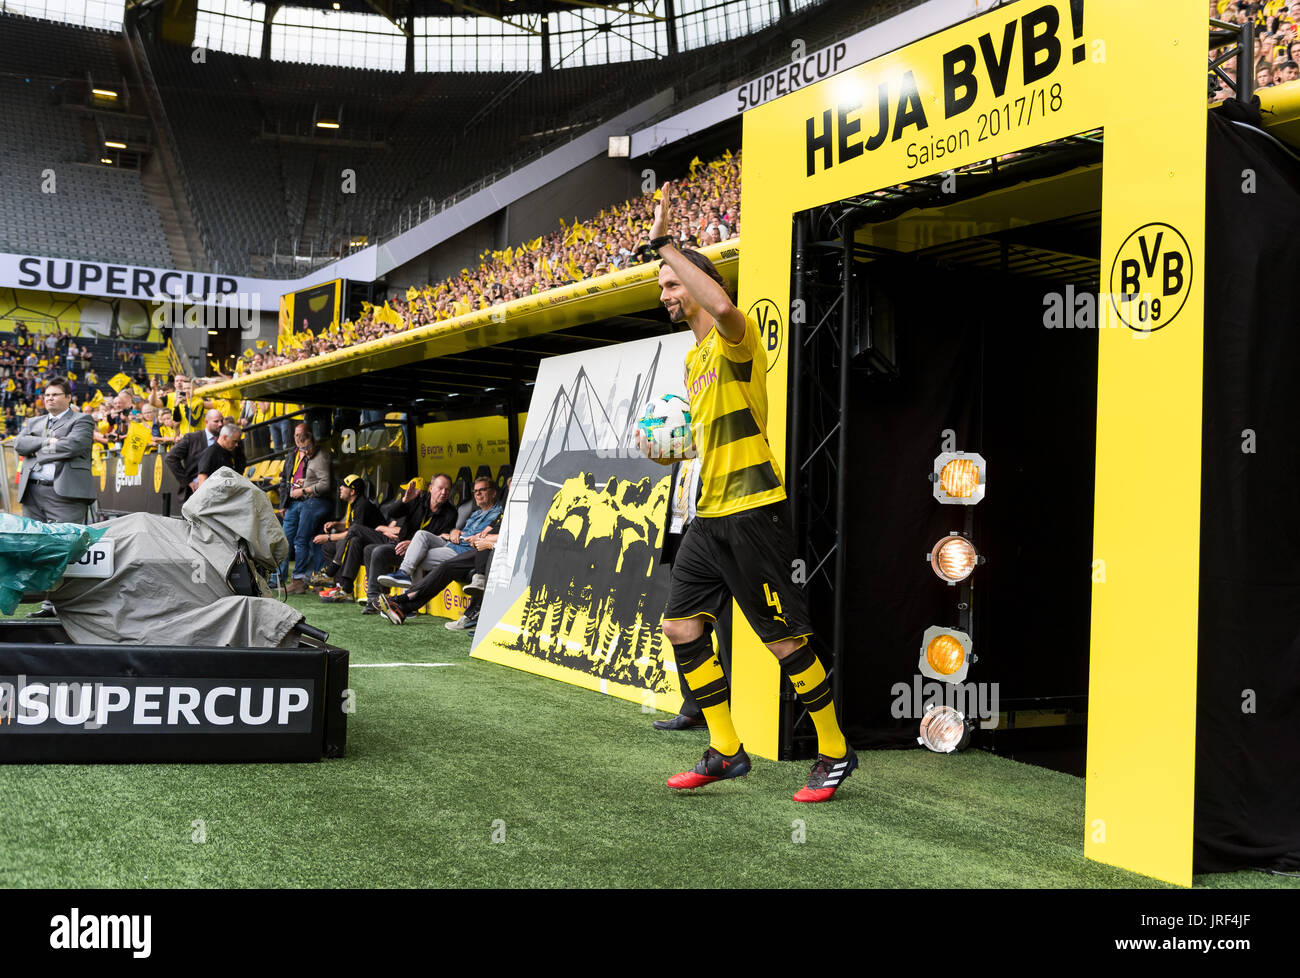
(814, 691)
(700, 669)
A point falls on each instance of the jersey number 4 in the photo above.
(773, 599)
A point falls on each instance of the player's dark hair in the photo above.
(706, 266)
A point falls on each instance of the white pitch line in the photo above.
(394, 665)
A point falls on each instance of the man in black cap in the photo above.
(341, 540)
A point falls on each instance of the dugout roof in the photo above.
(475, 356)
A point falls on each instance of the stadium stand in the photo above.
(258, 170)
(59, 200)
(57, 51)
(260, 175)
(257, 173)
(709, 196)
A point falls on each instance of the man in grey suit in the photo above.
(56, 486)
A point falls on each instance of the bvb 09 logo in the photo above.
(771, 330)
(1151, 277)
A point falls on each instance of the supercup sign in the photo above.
(125, 281)
(117, 705)
(193, 297)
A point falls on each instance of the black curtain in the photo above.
(975, 357)
(1248, 677)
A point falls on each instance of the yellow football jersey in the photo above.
(727, 387)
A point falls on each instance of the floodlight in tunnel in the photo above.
(954, 558)
(959, 478)
(944, 730)
(945, 654)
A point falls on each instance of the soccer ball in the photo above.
(666, 424)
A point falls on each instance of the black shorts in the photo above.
(748, 556)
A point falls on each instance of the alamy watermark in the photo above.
(225, 310)
(969, 699)
(1101, 310)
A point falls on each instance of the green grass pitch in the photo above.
(470, 774)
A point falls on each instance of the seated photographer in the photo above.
(343, 541)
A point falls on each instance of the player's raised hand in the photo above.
(660, 226)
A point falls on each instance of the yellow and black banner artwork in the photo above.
(1021, 76)
(577, 590)
(309, 312)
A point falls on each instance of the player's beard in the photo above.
(676, 313)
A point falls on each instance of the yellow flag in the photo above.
(695, 163)
(118, 382)
(262, 344)
(138, 438)
(726, 155)
(411, 293)
(386, 314)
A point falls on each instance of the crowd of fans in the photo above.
(29, 358)
(163, 403)
(709, 205)
(1277, 40)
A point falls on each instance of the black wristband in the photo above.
(657, 243)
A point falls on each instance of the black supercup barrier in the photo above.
(65, 703)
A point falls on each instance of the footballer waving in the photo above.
(739, 545)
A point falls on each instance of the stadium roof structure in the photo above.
(476, 357)
(397, 9)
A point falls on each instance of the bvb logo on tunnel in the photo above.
(1151, 277)
(771, 328)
